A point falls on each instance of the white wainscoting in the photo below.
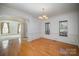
(8, 37)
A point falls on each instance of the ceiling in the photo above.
(34, 9)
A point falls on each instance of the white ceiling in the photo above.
(34, 9)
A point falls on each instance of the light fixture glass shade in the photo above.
(43, 15)
(40, 17)
(46, 17)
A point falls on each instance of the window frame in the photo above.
(2, 24)
(18, 29)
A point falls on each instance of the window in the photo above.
(19, 28)
(0, 27)
(47, 28)
(4, 28)
(63, 28)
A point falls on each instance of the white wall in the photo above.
(13, 26)
(33, 28)
(78, 28)
(30, 26)
(8, 13)
(73, 32)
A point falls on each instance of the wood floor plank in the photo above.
(40, 47)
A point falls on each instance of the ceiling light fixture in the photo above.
(43, 15)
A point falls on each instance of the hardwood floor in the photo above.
(40, 47)
(45, 47)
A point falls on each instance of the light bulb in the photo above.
(46, 17)
(40, 17)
